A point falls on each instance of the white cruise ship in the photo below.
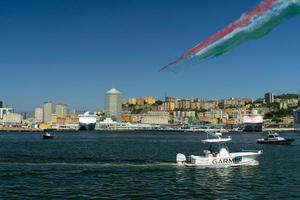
(253, 122)
(87, 121)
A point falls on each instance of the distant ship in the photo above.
(253, 122)
(297, 119)
(87, 121)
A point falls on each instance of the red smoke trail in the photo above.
(262, 7)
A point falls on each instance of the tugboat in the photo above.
(47, 136)
(274, 138)
(220, 157)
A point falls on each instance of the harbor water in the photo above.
(135, 165)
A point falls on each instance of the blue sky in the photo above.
(74, 51)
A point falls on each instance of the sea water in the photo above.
(136, 165)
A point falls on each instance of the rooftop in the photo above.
(113, 91)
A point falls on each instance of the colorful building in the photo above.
(149, 100)
(132, 101)
(38, 115)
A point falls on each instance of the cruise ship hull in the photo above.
(253, 127)
(87, 127)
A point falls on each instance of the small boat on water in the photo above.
(274, 138)
(218, 156)
(47, 136)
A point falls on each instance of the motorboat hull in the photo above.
(235, 159)
(281, 142)
(47, 137)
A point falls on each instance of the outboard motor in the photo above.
(180, 158)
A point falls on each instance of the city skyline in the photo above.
(72, 52)
(101, 108)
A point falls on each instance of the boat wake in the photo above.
(96, 165)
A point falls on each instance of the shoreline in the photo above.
(20, 130)
(26, 130)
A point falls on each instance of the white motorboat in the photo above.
(218, 156)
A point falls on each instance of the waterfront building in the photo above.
(4, 111)
(48, 111)
(155, 117)
(113, 104)
(269, 97)
(38, 115)
(12, 118)
(61, 110)
(297, 119)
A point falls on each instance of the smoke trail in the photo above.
(254, 24)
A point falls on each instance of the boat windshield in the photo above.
(272, 135)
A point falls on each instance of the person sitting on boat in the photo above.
(210, 149)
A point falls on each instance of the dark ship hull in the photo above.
(87, 127)
(253, 127)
